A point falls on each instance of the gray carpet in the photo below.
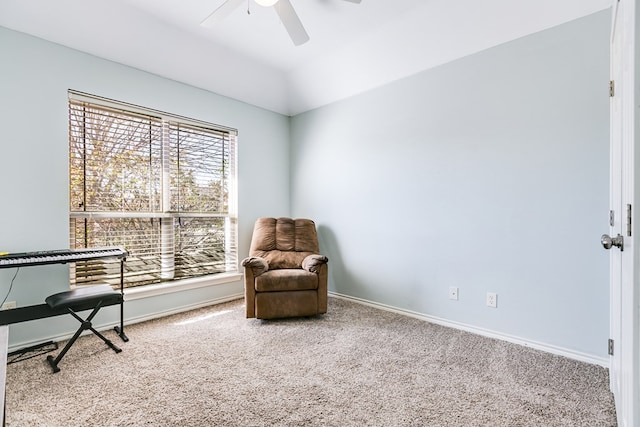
(354, 366)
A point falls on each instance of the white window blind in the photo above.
(160, 185)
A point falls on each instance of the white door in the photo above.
(615, 201)
(624, 230)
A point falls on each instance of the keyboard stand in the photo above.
(63, 256)
(120, 329)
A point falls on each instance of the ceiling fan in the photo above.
(285, 11)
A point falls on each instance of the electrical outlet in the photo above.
(8, 305)
(492, 299)
(453, 293)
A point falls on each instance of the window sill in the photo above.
(179, 286)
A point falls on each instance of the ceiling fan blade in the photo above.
(354, 1)
(291, 22)
(221, 12)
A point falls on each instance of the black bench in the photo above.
(96, 297)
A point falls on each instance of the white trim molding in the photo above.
(139, 292)
(571, 354)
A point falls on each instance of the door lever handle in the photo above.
(608, 241)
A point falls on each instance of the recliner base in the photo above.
(273, 305)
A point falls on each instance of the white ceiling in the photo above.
(249, 57)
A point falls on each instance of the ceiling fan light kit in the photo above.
(283, 8)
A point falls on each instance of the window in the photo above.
(159, 185)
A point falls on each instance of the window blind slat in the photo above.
(162, 189)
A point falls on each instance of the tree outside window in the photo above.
(160, 186)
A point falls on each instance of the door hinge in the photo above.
(628, 220)
(610, 347)
(612, 88)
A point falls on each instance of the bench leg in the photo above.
(106, 341)
(86, 325)
(54, 362)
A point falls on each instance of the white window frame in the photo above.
(233, 274)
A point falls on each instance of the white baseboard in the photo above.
(571, 354)
(583, 357)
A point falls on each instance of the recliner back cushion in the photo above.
(284, 242)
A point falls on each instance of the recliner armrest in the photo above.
(256, 264)
(312, 263)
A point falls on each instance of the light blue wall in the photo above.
(489, 173)
(34, 78)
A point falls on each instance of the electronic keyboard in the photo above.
(59, 256)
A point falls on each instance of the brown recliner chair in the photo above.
(284, 274)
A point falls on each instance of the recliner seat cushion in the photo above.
(286, 280)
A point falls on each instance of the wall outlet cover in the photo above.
(492, 299)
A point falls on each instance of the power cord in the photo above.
(10, 287)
